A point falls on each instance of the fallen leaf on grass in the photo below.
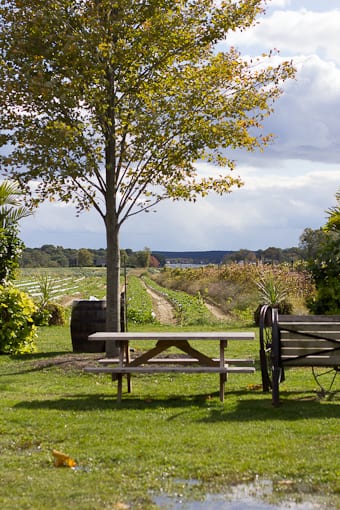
(61, 459)
(254, 387)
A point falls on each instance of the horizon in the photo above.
(160, 251)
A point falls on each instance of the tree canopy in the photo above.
(11, 212)
(111, 104)
(325, 264)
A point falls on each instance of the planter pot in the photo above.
(87, 317)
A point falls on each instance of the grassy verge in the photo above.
(171, 428)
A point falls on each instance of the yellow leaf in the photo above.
(60, 459)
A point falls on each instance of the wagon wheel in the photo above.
(265, 323)
(325, 378)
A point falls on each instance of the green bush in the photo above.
(51, 314)
(11, 248)
(41, 317)
(327, 298)
(17, 328)
(56, 314)
(325, 268)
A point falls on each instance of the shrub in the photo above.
(327, 298)
(48, 312)
(51, 314)
(17, 328)
(56, 314)
(11, 248)
(325, 269)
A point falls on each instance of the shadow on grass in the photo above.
(40, 361)
(103, 401)
(246, 409)
(38, 355)
(294, 406)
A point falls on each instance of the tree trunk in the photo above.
(112, 224)
(112, 280)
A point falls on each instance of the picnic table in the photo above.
(193, 361)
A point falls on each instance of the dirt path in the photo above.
(217, 312)
(163, 310)
(165, 313)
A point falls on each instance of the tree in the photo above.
(311, 241)
(325, 266)
(243, 255)
(111, 104)
(143, 257)
(272, 254)
(11, 247)
(85, 258)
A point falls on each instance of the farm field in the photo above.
(197, 296)
(66, 283)
(170, 440)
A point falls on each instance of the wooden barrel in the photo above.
(87, 317)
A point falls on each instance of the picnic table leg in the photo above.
(223, 377)
(128, 376)
(124, 355)
(119, 387)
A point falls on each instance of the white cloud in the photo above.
(293, 32)
(305, 119)
(280, 3)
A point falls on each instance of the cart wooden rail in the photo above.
(297, 341)
(194, 361)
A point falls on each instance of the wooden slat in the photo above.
(321, 361)
(171, 336)
(307, 343)
(296, 351)
(308, 318)
(183, 360)
(189, 370)
(311, 329)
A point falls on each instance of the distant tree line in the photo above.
(49, 255)
(268, 256)
(57, 256)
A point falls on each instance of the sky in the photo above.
(286, 189)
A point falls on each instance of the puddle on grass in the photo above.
(247, 496)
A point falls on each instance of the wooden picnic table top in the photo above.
(172, 336)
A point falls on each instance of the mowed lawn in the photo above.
(171, 430)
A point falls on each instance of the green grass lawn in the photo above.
(170, 429)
